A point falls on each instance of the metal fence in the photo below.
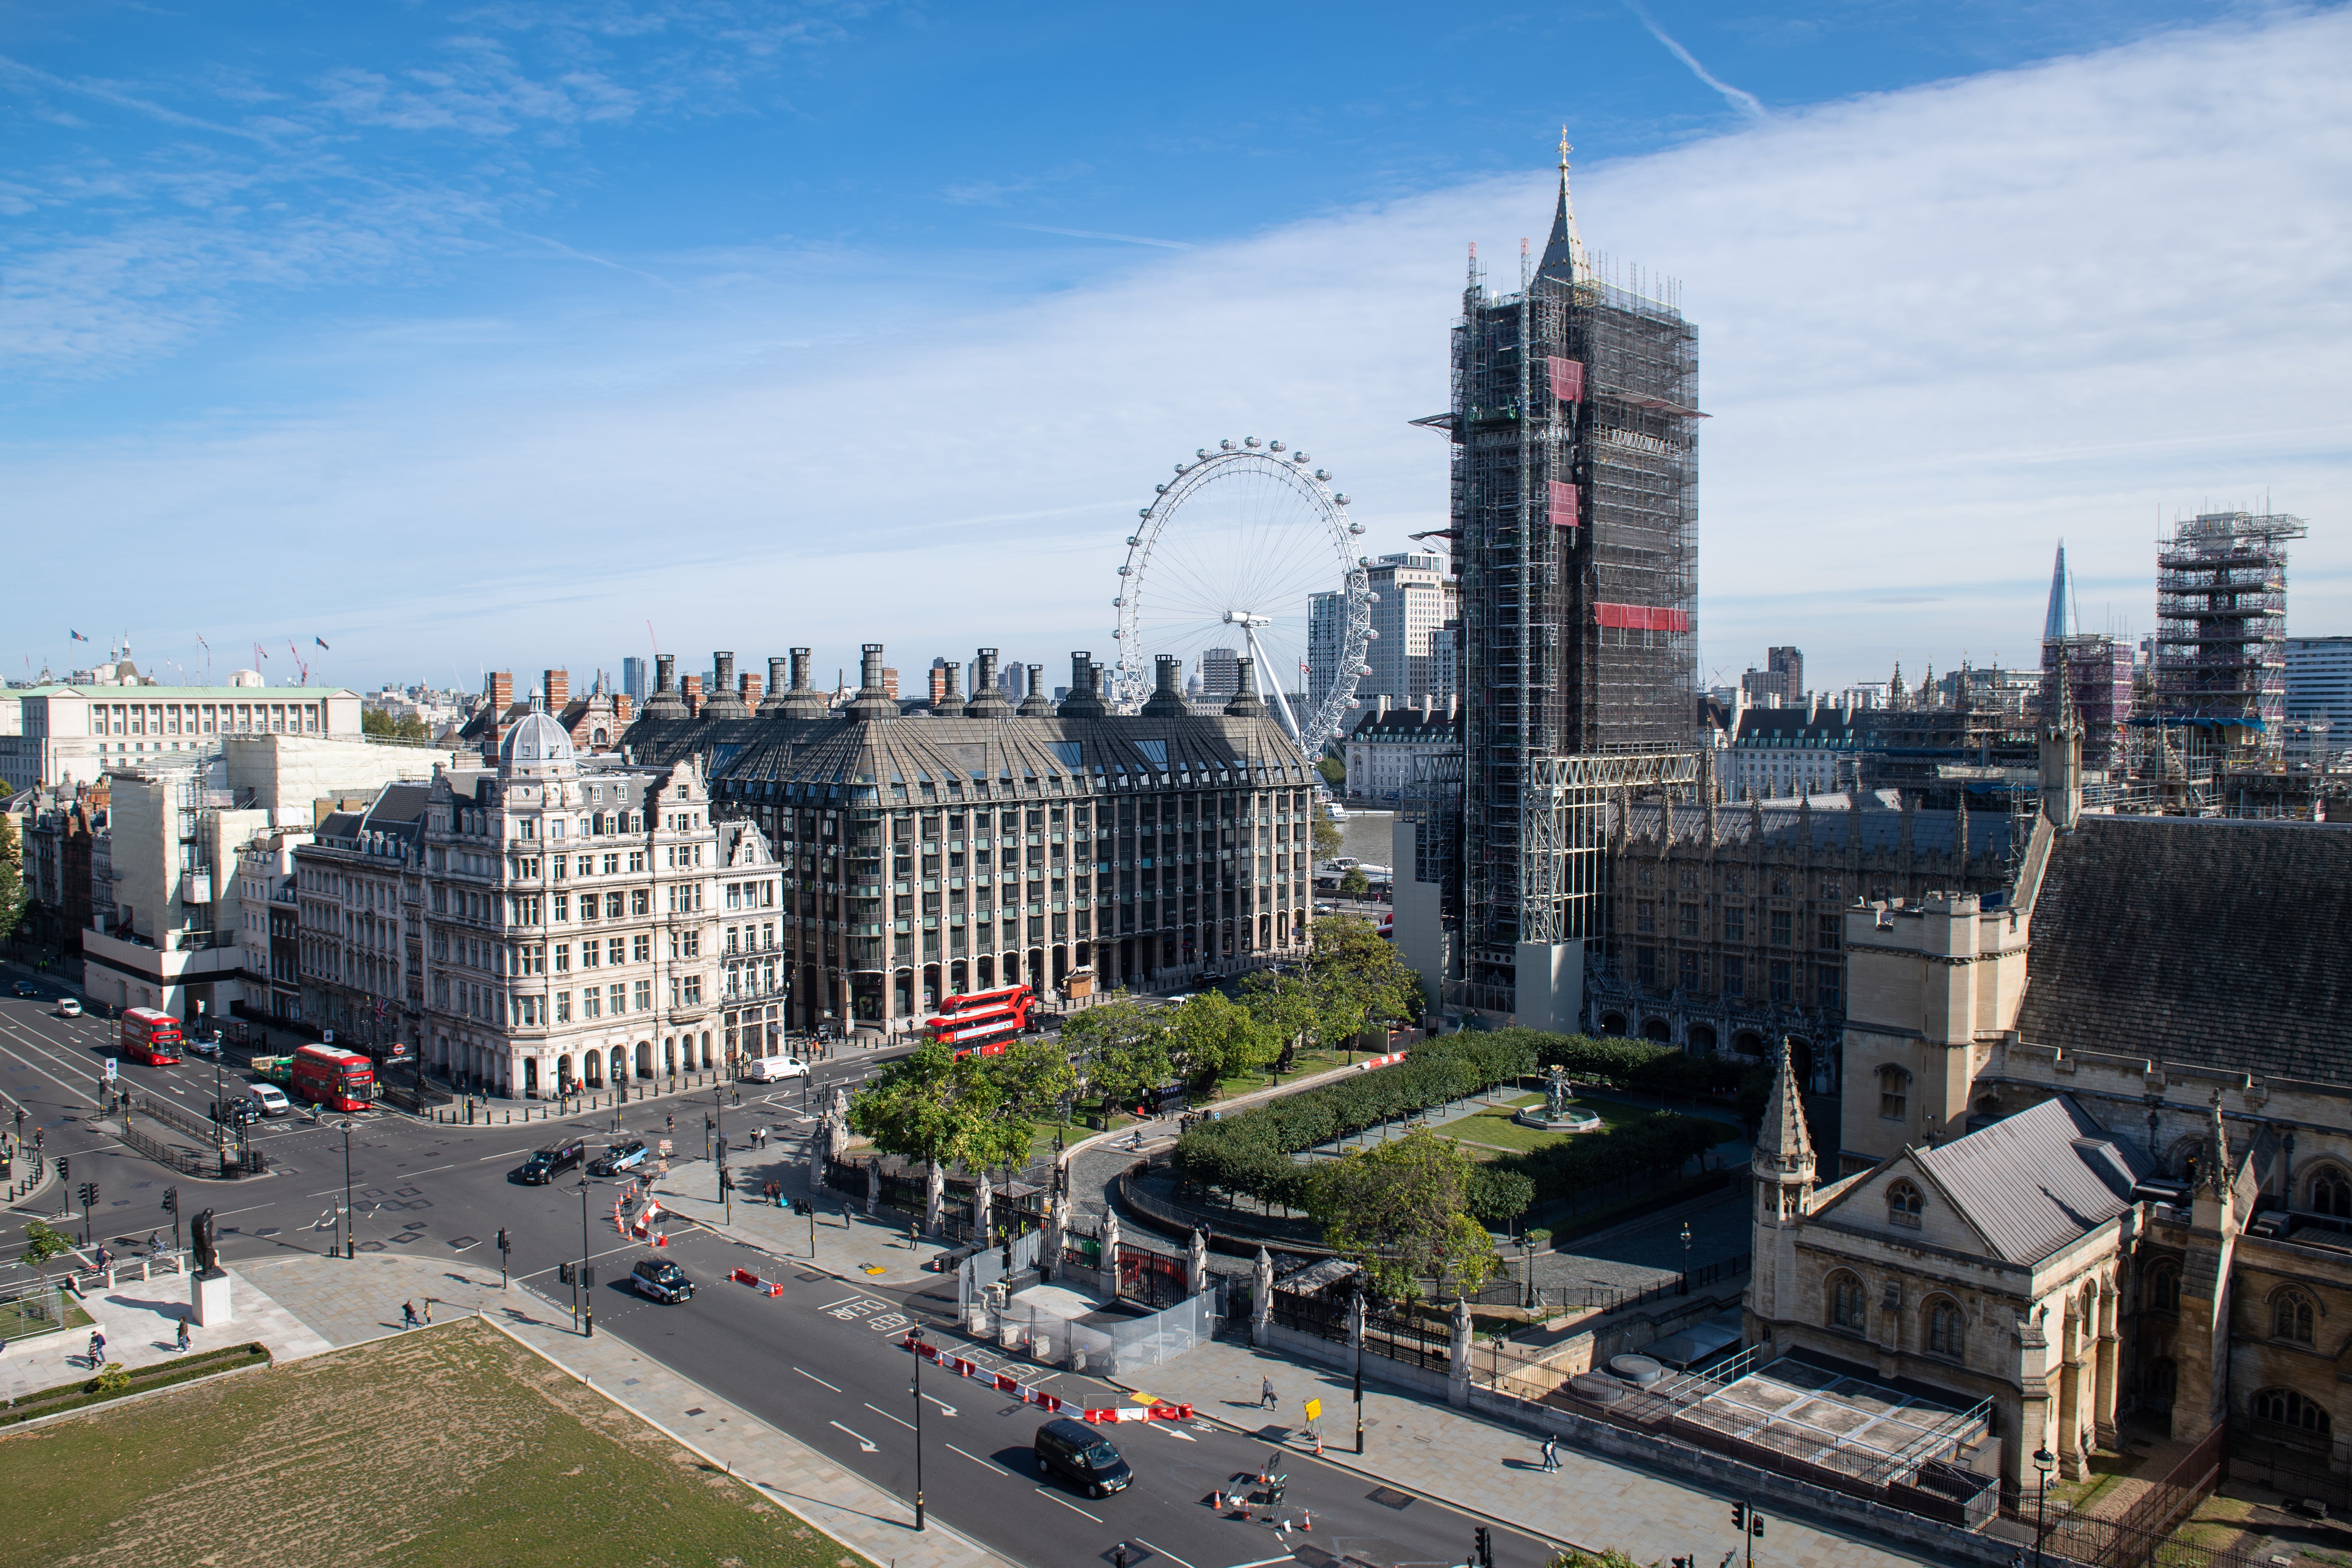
(29, 1307)
(2142, 1536)
(1396, 1336)
(179, 1121)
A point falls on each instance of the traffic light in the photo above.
(1484, 1553)
(587, 1277)
(803, 1206)
(564, 1273)
(504, 1245)
(1755, 1525)
(1740, 1516)
(88, 1192)
(65, 1169)
(171, 1200)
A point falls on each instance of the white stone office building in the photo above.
(572, 919)
(67, 734)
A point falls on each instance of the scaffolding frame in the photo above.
(2221, 619)
(1578, 637)
(1568, 837)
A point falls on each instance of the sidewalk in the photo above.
(350, 1300)
(1421, 1446)
(142, 1317)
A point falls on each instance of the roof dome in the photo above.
(536, 741)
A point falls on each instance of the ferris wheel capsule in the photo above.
(1323, 474)
(1143, 511)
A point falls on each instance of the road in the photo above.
(822, 1362)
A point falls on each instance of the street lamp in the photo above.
(343, 1222)
(1686, 1241)
(915, 1350)
(587, 1297)
(2044, 1461)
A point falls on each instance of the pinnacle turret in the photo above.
(1563, 258)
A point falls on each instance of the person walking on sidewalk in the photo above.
(408, 1315)
(428, 1311)
(1265, 1400)
(183, 1335)
(1550, 1455)
(97, 1347)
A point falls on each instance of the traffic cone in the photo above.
(1307, 1520)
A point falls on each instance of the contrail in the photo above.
(1747, 103)
(1097, 234)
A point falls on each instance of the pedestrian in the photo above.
(97, 1347)
(409, 1319)
(183, 1333)
(154, 1241)
(1265, 1394)
(914, 1235)
(428, 1311)
(1550, 1454)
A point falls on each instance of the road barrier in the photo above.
(1003, 1383)
(764, 1287)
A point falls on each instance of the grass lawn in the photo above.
(452, 1445)
(17, 1323)
(1496, 1127)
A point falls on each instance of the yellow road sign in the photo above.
(1313, 1410)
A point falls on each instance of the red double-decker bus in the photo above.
(333, 1078)
(148, 1037)
(985, 1021)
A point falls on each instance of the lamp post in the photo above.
(915, 1350)
(587, 1297)
(2044, 1461)
(1686, 1241)
(350, 1242)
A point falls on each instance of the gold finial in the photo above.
(1564, 149)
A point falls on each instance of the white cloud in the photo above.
(1939, 329)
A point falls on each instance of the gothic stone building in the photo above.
(1725, 925)
(967, 845)
(2175, 989)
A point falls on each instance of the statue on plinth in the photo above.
(200, 1242)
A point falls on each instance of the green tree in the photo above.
(1210, 1037)
(12, 876)
(1354, 883)
(1577, 1557)
(1328, 842)
(1401, 1210)
(374, 722)
(1287, 1005)
(1123, 1047)
(41, 1243)
(1359, 977)
(410, 727)
(1334, 772)
(936, 1107)
(1032, 1078)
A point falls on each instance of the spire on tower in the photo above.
(1782, 1146)
(1563, 258)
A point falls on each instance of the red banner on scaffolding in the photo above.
(1563, 505)
(1567, 379)
(1642, 617)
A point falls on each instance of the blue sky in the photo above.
(467, 335)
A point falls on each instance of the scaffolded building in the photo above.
(1575, 469)
(2220, 620)
(2097, 668)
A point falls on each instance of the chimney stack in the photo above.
(725, 702)
(951, 689)
(625, 708)
(1083, 700)
(665, 672)
(748, 687)
(694, 696)
(1036, 705)
(1167, 692)
(988, 700)
(557, 684)
(501, 693)
(874, 700)
(665, 703)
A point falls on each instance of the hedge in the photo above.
(1252, 1153)
(162, 1374)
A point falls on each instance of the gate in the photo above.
(1153, 1279)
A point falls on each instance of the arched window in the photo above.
(1946, 1330)
(1903, 1205)
(2162, 1293)
(2331, 1192)
(1894, 1093)
(1849, 1305)
(2285, 1407)
(2290, 1317)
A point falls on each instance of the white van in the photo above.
(774, 1070)
(270, 1098)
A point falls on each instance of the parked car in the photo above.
(774, 1070)
(1081, 1454)
(68, 1007)
(270, 1098)
(1212, 975)
(620, 1157)
(26, 988)
(552, 1162)
(661, 1279)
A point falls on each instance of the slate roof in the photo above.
(1432, 728)
(1797, 728)
(2197, 941)
(1878, 820)
(2037, 1181)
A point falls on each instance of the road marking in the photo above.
(885, 1416)
(866, 1444)
(991, 1464)
(944, 1407)
(1269, 1562)
(1074, 1508)
(1171, 1431)
(1168, 1554)
(814, 1378)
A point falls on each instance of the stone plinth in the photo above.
(208, 1298)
